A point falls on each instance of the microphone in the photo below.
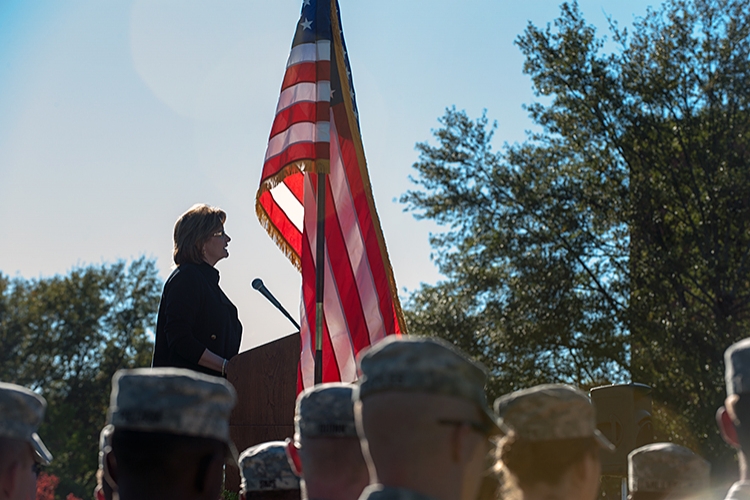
(258, 285)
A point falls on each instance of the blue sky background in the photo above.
(117, 116)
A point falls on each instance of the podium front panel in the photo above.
(265, 379)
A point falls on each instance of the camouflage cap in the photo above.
(325, 410)
(737, 367)
(666, 467)
(265, 467)
(550, 412)
(427, 365)
(21, 414)
(172, 400)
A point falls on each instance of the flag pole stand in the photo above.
(320, 276)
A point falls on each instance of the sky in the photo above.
(117, 116)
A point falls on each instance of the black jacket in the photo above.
(194, 315)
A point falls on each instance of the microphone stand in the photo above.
(258, 285)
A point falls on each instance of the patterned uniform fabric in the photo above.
(550, 412)
(172, 400)
(667, 467)
(265, 467)
(427, 365)
(326, 410)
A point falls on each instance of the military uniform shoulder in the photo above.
(382, 492)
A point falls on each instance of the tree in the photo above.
(614, 243)
(65, 337)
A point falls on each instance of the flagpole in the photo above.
(320, 255)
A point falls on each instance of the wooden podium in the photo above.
(265, 379)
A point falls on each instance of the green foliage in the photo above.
(525, 289)
(613, 244)
(65, 337)
(230, 495)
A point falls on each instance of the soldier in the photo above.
(422, 415)
(665, 470)
(267, 474)
(22, 452)
(325, 451)
(171, 434)
(553, 447)
(734, 417)
(103, 490)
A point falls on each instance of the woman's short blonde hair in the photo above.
(193, 229)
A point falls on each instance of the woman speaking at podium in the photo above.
(197, 326)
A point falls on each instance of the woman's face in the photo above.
(215, 248)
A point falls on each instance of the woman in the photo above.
(197, 326)
(552, 449)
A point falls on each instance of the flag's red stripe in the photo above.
(330, 366)
(300, 112)
(285, 227)
(296, 184)
(306, 72)
(374, 256)
(295, 152)
(353, 247)
(345, 278)
(300, 378)
(279, 219)
(308, 299)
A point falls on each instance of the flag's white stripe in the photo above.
(324, 90)
(304, 92)
(338, 330)
(355, 245)
(307, 356)
(310, 52)
(286, 201)
(299, 132)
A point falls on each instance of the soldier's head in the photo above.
(22, 452)
(171, 434)
(666, 471)
(267, 473)
(553, 443)
(325, 450)
(422, 414)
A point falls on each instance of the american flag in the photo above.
(316, 130)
